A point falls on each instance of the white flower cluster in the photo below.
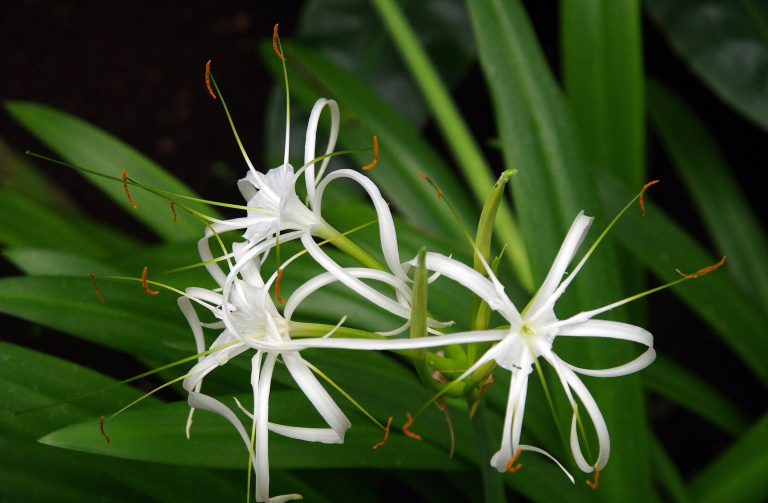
(250, 320)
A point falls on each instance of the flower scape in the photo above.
(253, 316)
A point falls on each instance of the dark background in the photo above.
(135, 69)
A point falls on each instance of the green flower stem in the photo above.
(348, 246)
(456, 133)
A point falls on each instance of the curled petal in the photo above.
(311, 139)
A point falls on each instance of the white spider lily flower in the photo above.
(530, 336)
(251, 320)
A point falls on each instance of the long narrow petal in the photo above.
(568, 249)
(387, 231)
(392, 344)
(597, 420)
(513, 420)
(474, 281)
(550, 456)
(261, 451)
(317, 395)
(311, 139)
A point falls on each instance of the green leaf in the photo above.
(29, 470)
(43, 262)
(403, 150)
(683, 387)
(157, 434)
(733, 226)
(129, 320)
(725, 43)
(659, 243)
(455, 132)
(29, 224)
(738, 476)
(87, 146)
(603, 77)
(666, 473)
(350, 34)
(553, 184)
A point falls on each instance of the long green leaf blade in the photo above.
(84, 145)
(725, 43)
(733, 226)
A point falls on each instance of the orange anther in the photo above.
(144, 283)
(433, 184)
(591, 484)
(702, 272)
(127, 192)
(386, 435)
(96, 287)
(101, 427)
(375, 154)
(208, 78)
(642, 204)
(408, 425)
(277, 286)
(511, 466)
(173, 210)
(274, 44)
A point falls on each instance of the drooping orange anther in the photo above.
(208, 78)
(592, 484)
(408, 425)
(277, 286)
(173, 210)
(702, 272)
(101, 427)
(386, 435)
(642, 203)
(274, 44)
(95, 287)
(511, 466)
(127, 192)
(144, 282)
(375, 154)
(433, 184)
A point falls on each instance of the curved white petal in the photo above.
(387, 231)
(513, 420)
(544, 297)
(355, 284)
(194, 323)
(390, 344)
(597, 420)
(635, 365)
(285, 497)
(311, 139)
(317, 395)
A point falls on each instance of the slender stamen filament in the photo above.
(433, 184)
(386, 434)
(144, 283)
(375, 155)
(408, 425)
(208, 78)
